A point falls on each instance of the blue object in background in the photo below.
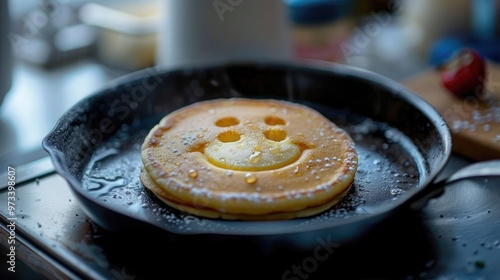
(489, 48)
(317, 11)
(484, 14)
(442, 50)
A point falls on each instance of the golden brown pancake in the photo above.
(248, 159)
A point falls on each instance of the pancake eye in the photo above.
(272, 120)
(276, 135)
(229, 136)
(227, 121)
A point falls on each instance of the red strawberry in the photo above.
(464, 74)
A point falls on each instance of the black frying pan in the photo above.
(402, 143)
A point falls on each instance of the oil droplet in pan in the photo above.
(103, 186)
(250, 178)
(255, 157)
(192, 173)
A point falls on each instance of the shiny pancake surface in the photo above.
(248, 159)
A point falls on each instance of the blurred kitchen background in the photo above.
(56, 52)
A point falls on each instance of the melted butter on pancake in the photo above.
(252, 152)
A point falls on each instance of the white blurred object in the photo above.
(5, 51)
(437, 18)
(127, 32)
(194, 31)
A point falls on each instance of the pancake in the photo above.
(248, 159)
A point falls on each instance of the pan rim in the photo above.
(60, 164)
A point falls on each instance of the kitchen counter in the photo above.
(454, 236)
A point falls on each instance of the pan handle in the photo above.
(489, 168)
(480, 169)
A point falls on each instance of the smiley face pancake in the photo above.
(248, 159)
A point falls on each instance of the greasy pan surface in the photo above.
(402, 144)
